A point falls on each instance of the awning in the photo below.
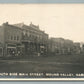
(11, 47)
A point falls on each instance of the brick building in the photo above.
(77, 48)
(10, 39)
(29, 40)
(21, 38)
(34, 39)
(61, 46)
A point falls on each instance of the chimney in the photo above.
(6, 23)
(38, 26)
(31, 24)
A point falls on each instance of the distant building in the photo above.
(82, 48)
(77, 48)
(61, 46)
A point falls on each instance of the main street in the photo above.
(42, 64)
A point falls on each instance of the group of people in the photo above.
(14, 53)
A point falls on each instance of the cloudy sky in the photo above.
(58, 20)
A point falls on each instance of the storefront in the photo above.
(14, 50)
(11, 50)
(20, 50)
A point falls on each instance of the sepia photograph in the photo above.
(41, 41)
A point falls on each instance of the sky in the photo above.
(58, 20)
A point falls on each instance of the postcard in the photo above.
(41, 42)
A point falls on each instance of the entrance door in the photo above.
(11, 51)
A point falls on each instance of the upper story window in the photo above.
(14, 37)
(28, 34)
(17, 37)
(24, 32)
(8, 36)
(11, 37)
